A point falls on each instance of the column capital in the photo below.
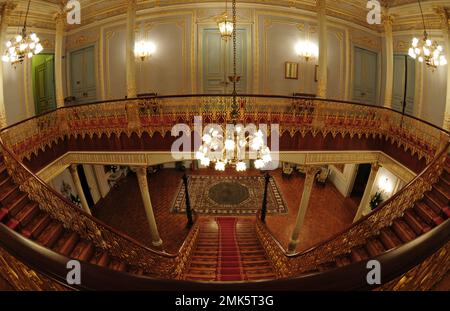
(131, 3)
(312, 170)
(73, 168)
(388, 21)
(321, 6)
(60, 18)
(141, 170)
(6, 8)
(443, 16)
(375, 166)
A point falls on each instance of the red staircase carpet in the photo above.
(230, 266)
(228, 249)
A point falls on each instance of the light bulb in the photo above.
(229, 145)
(220, 166)
(32, 45)
(259, 164)
(420, 59)
(415, 41)
(199, 155)
(440, 48)
(428, 42)
(267, 158)
(241, 166)
(33, 36)
(205, 161)
(207, 138)
(417, 51)
(443, 60)
(30, 55)
(411, 53)
(426, 51)
(8, 44)
(19, 38)
(5, 58)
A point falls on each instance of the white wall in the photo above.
(344, 181)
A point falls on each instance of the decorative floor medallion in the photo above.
(231, 195)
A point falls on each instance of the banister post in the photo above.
(188, 201)
(264, 203)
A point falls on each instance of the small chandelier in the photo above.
(231, 149)
(427, 51)
(23, 45)
(144, 49)
(307, 50)
(225, 25)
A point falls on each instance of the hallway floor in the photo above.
(329, 212)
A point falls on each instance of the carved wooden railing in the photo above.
(159, 115)
(296, 264)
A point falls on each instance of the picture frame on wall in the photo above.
(291, 70)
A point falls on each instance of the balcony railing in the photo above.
(306, 116)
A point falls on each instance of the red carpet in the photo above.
(229, 265)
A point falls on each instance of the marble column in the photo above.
(141, 173)
(389, 56)
(59, 54)
(303, 207)
(323, 52)
(102, 180)
(76, 181)
(366, 196)
(446, 35)
(130, 42)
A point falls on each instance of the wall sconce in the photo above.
(307, 50)
(144, 49)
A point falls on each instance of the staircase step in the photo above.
(13, 207)
(433, 202)
(100, 258)
(67, 243)
(389, 239)
(414, 221)
(118, 266)
(23, 217)
(359, 254)
(50, 234)
(342, 261)
(84, 250)
(36, 225)
(403, 231)
(8, 190)
(442, 192)
(427, 214)
(374, 247)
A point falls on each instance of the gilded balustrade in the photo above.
(304, 116)
(159, 265)
(356, 235)
(158, 115)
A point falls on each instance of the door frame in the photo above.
(352, 71)
(248, 27)
(33, 82)
(69, 66)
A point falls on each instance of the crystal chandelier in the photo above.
(23, 45)
(230, 149)
(426, 50)
(225, 26)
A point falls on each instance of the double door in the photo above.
(83, 77)
(404, 84)
(365, 76)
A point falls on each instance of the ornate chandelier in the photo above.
(225, 26)
(23, 45)
(426, 50)
(230, 149)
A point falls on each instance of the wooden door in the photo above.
(365, 76)
(44, 83)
